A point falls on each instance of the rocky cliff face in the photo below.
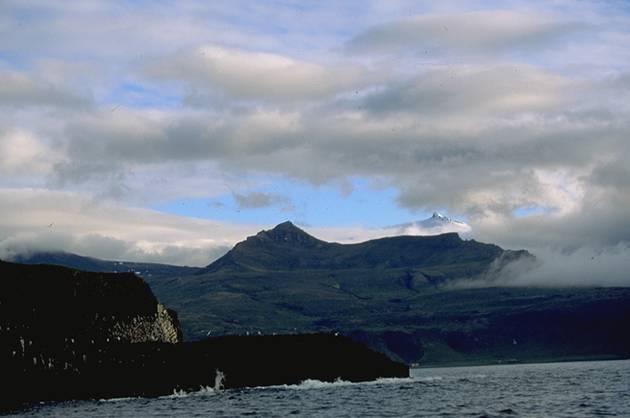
(163, 326)
(54, 321)
(56, 305)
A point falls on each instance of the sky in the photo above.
(168, 131)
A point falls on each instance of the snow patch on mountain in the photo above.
(434, 225)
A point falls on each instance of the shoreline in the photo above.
(481, 363)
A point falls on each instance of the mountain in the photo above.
(287, 247)
(416, 298)
(435, 224)
(60, 258)
(438, 220)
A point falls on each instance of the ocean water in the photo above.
(577, 389)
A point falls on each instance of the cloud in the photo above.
(39, 220)
(257, 200)
(583, 267)
(492, 141)
(21, 151)
(19, 90)
(523, 107)
(586, 266)
(33, 220)
(469, 90)
(255, 75)
(479, 31)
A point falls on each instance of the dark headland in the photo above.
(69, 334)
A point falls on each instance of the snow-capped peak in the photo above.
(438, 215)
(436, 224)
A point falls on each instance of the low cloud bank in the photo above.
(584, 267)
(110, 248)
(36, 220)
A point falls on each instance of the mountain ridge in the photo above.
(287, 247)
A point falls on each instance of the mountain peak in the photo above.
(437, 223)
(438, 215)
(286, 232)
(286, 226)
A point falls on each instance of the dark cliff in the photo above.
(61, 306)
(68, 334)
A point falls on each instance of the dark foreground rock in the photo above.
(67, 334)
(154, 369)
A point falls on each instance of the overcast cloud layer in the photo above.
(511, 115)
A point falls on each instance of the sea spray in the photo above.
(219, 379)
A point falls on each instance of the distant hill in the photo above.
(397, 294)
(60, 258)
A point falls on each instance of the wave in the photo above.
(129, 398)
(219, 380)
(309, 384)
(202, 391)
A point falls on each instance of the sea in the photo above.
(571, 389)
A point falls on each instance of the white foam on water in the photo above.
(390, 381)
(176, 394)
(428, 379)
(219, 378)
(317, 384)
(310, 384)
(129, 398)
